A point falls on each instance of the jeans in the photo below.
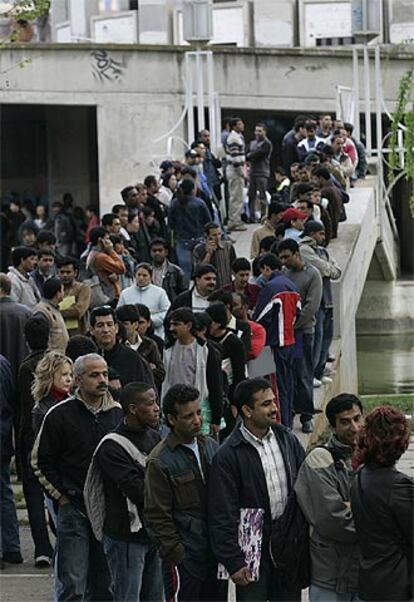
(9, 528)
(135, 569)
(235, 178)
(82, 568)
(268, 588)
(323, 339)
(184, 253)
(57, 586)
(284, 362)
(320, 594)
(257, 189)
(35, 504)
(303, 367)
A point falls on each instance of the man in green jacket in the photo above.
(175, 506)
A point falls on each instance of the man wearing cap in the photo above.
(313, 252)
(294, 221)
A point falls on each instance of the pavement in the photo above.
(24, 583)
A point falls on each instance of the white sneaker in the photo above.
(326, 380)
(317, 383)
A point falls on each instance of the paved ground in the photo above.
(24, 583)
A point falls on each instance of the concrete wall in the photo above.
(386, 307)
(139, 91)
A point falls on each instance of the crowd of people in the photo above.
(150, 378)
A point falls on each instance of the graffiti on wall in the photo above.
(105, 68)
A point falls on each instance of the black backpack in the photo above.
(289, 546)
(289, 541)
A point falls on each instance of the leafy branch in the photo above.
(25, 10)
(403, 115)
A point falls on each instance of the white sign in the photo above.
(228, 26)
(327, 20)
(120, 28)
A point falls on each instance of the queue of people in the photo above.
(150, 379)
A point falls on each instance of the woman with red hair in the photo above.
(382, 500)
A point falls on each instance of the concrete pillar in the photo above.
(127, 150)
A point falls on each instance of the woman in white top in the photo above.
(143, 291)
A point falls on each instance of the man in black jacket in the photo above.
(205, 281)
(129, 364)
(60, 459)
(176, 481)
(254, 469)
(260, 150)
(133, 561)
(166, 274)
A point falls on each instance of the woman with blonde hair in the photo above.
(53, 380)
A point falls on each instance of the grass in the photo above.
(404, 403)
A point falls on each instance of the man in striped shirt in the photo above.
(253, 473)
(235, 159)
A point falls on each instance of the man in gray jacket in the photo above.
(23, 287)
(312, 252)
(309, 283)
(323, 493)
(260, 150)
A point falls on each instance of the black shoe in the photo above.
(307, 427)
(42, 562)
(244, 218)
(12, 557)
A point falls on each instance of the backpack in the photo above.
(289, 546)
(93, 492)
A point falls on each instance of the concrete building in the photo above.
(99, 116)
(242, 23)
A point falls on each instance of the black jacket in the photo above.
(65, 444)
(26, 401)
(129, 364)
(232, 349)
(174, 282)
(40, 410)
(184, 299)
(237, 481)
(124, 478)
(383, 515)
(176, 502)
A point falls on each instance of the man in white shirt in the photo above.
(254, 470)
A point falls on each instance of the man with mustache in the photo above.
(252, 474)
(60, 459)
(175, 507)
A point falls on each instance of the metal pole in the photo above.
(200, 89)
(367, 95)
(355, 86)
(189, 95)
(378, 121)
(212, 117)
(378, 99)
